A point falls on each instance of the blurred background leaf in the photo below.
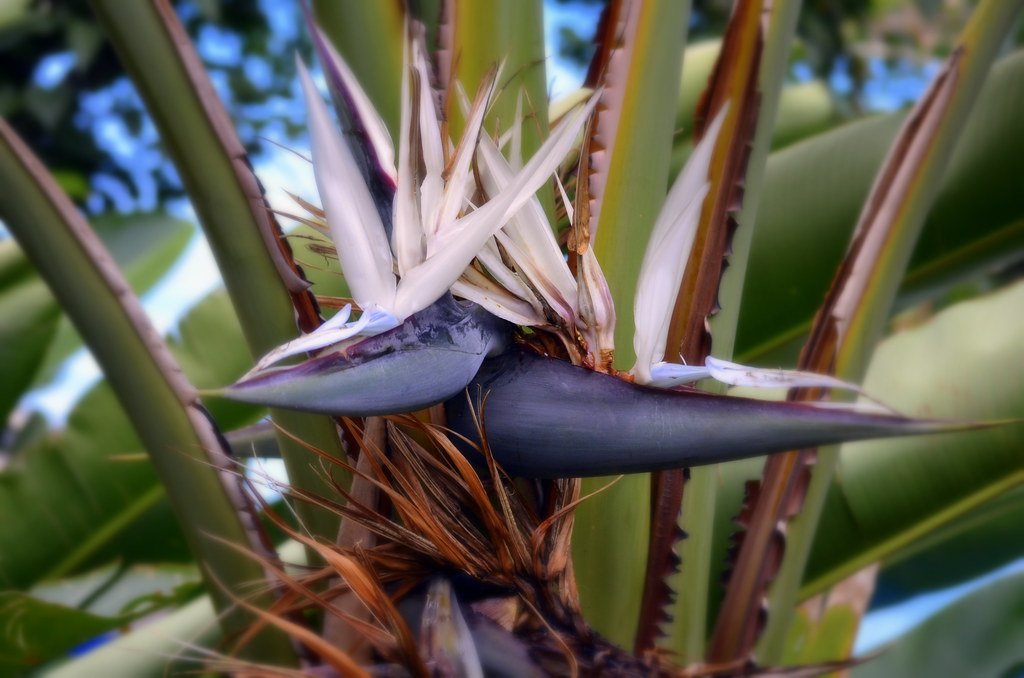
(36, 631)
(978, 635)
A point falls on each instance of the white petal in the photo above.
(431, 141)
(542, 165)
(859, 407)
(532, 235)
(667, 253)
(657, 287)
(515, 151)
(428, 281)
(570, 211)
(459, 177)
(563, 304)
(337, 320)
(372, 321)
(512, 138)
(359, 237)
(596, 307)
(406, 228)
(491, 259)
(461, 98)
(376, 130)
(734, 374)
(668, 375)
(499, 303)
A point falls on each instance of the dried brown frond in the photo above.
(317, 212)
(308, 221)
(503, 545)
(326, 301)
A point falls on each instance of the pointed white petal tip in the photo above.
(334, 331)
(670, 375)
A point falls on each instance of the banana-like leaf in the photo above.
(784, 287)
(732, 100)
(144, 246)
(163, 646)
(804, 108)
(182, 441)
(30, 321)
(89, 495)
(546, 418)
(427, 359)
(735, 88)
(482, 35)
(63, 503)
(746, 82)
(842, 338)
(981, 541)
(114, 590)
(152, 651)
(978, 635)
(476, 37)
(957, 480)
(369, 35)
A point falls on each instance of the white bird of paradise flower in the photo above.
(520, 273)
